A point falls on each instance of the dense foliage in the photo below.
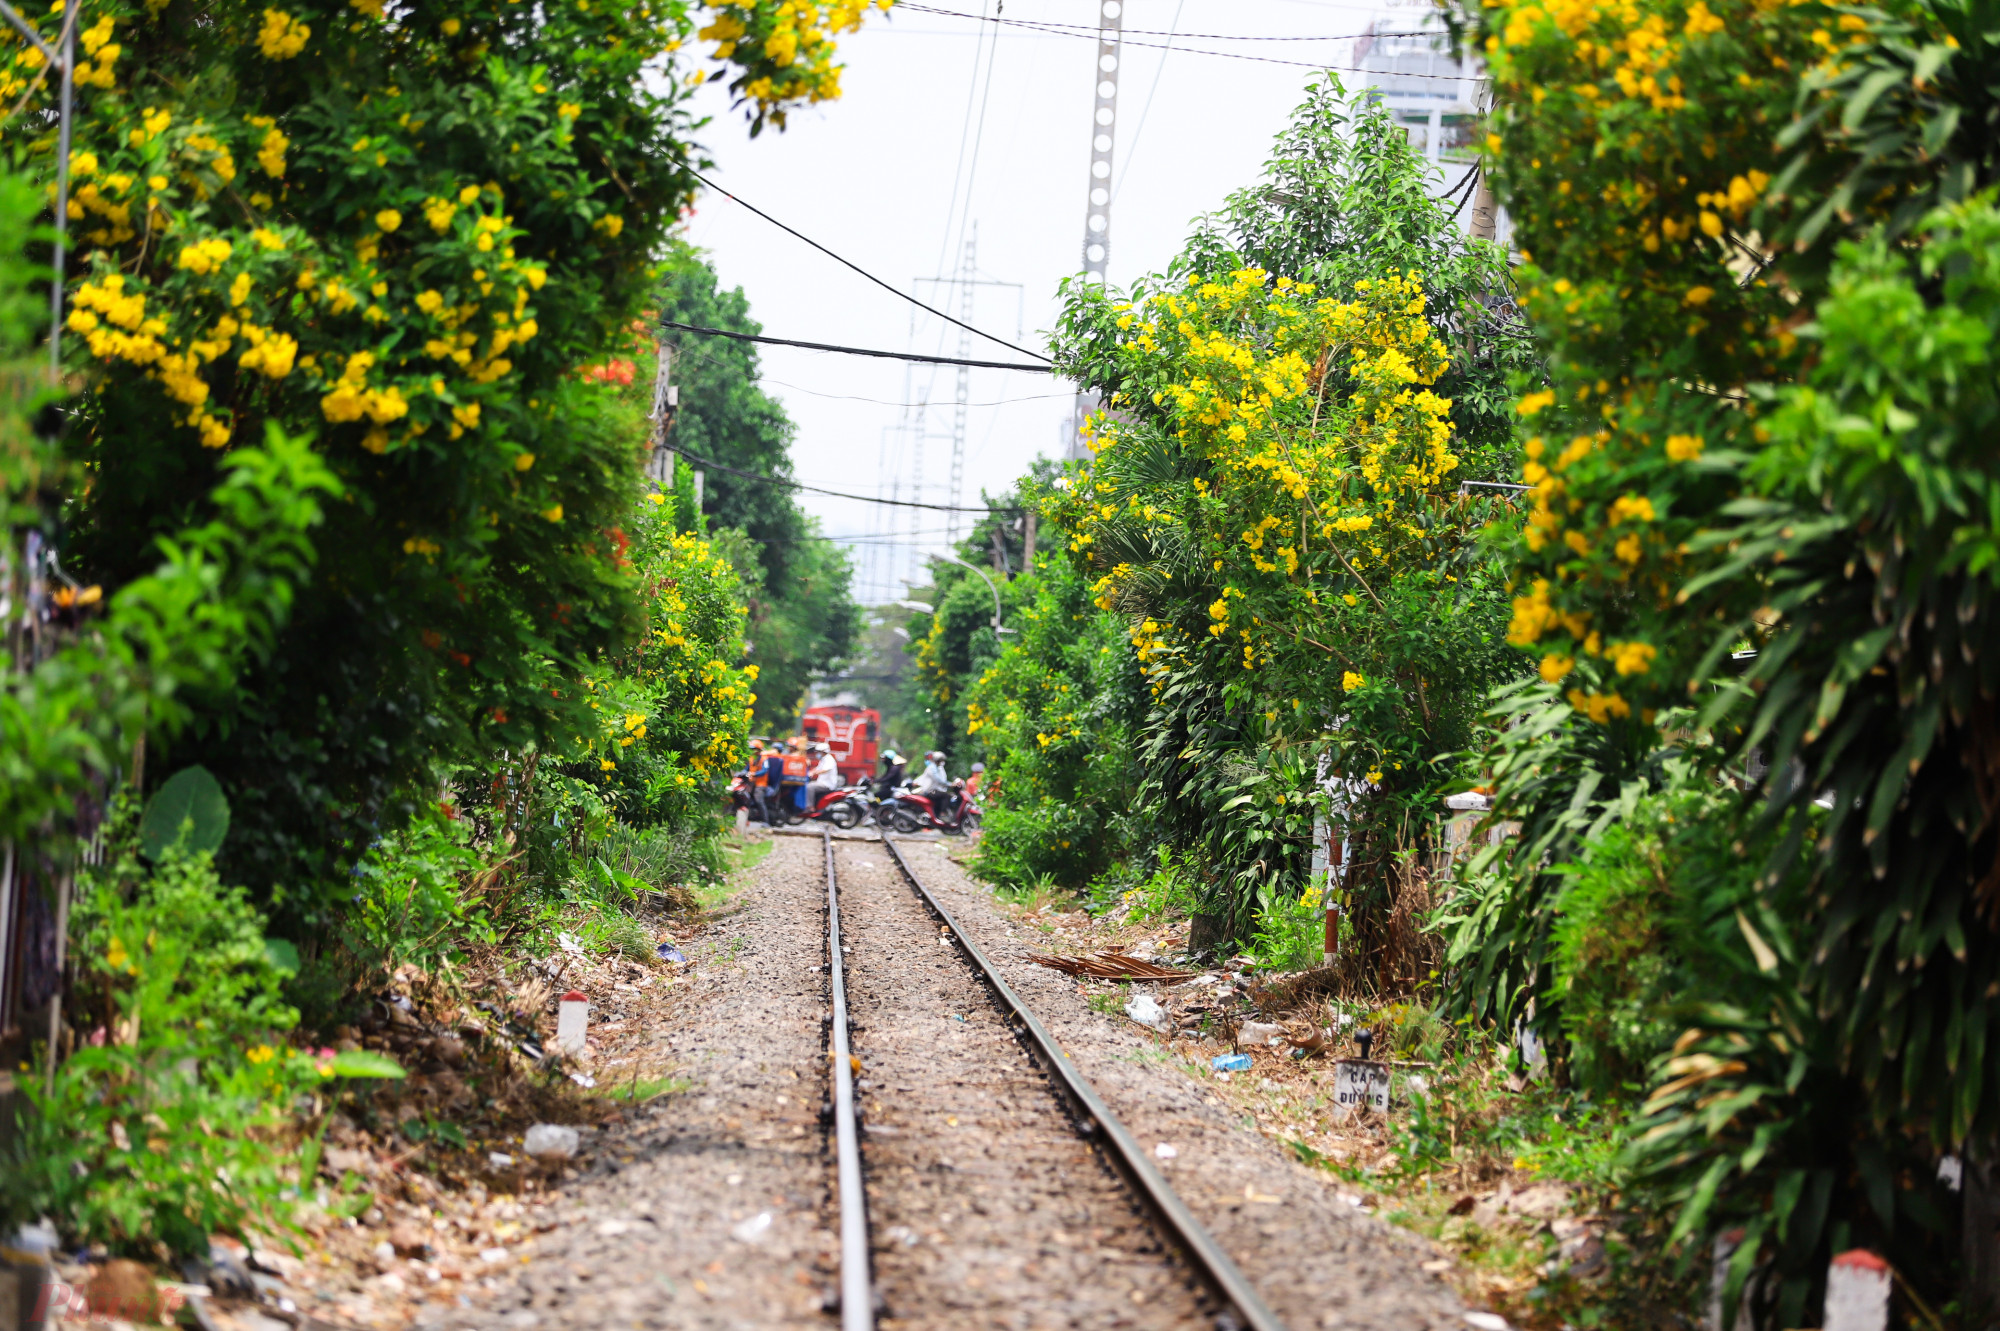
(1757, 251)
(803, 619)
(398, 232)
(1274, 503)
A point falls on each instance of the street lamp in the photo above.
(989, 586)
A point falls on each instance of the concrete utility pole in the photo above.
(666, 400)
(963, 398)
(1097, 217)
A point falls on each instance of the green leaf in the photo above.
(364, 1063)
(190, 810)
(283, 956)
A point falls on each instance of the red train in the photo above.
(853, 733)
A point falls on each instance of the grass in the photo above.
(641, 1089)
(741, 859)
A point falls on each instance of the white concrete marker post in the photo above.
(572, 1023)
(1857, 1292)
(1361, 1084)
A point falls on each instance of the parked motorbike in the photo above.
(843, 808)
(907, 811)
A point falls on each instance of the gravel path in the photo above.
(710, 1211)
(713, 1209)
(1316, 1260)
(986, 1208)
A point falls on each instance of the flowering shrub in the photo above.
(402, 231)
(672, 713)
(1274, 504)
(174, 1118)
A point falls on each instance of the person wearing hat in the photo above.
(972, 782)
(824, 778)
(893, 769)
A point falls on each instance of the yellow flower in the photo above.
(1633, 658)
(1554, 667)
(523, 461)
(554, 513)
(388, 220)
(450, 27)
(262, 1053)
(1350, 681)
(282, 36)
(1683, 447)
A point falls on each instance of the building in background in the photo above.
(1406, 65)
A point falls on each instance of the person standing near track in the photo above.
(769, 779)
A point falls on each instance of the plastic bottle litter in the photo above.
(668, 952)
(499, 1160)
(752, 1229)
(1146, 1010)
(1259, 1033)
(551, 1141)
(1230, 1062)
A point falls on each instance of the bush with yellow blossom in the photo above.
(1757, 244)
(403, 230)
(1275, 499)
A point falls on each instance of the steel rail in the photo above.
(857, 1298)
(1188, 1233)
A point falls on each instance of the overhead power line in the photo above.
(1091, 28)
(897, 291)
(859, 351)
(712, 465)
(1226, 55)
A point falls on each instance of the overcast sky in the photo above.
(872, 177)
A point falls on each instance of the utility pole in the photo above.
(666, 400)
(967, 272)
(1097, 217)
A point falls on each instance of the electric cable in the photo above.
(711, 465)
(859, 351)
(1090, 29)
(858, 268)
(1236, 55)
(1132, 146)
(850, 397)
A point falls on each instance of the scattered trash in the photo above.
(1417, 1084)
(904, 1235)
(385, 1251)
(667, 952)
(492, 1256)
(1166, 1151)
(1230, 1062)
(611, 1229)
(499, 1160)
(1487, 1321)
(572, 1022)
(583, 1079)
(1256, 1033)
(1110, 965)
(752, 1229)
(551, 1141)
(1146, 1010)
(570, 944)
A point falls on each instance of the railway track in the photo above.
(1003, 1189)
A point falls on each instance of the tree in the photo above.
(399, 232)
(1759, 259)
(803, 618)
(1274, 501)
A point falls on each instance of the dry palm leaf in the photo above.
(1110, 965)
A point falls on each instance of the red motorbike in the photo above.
(843, 808)
(907, 811)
